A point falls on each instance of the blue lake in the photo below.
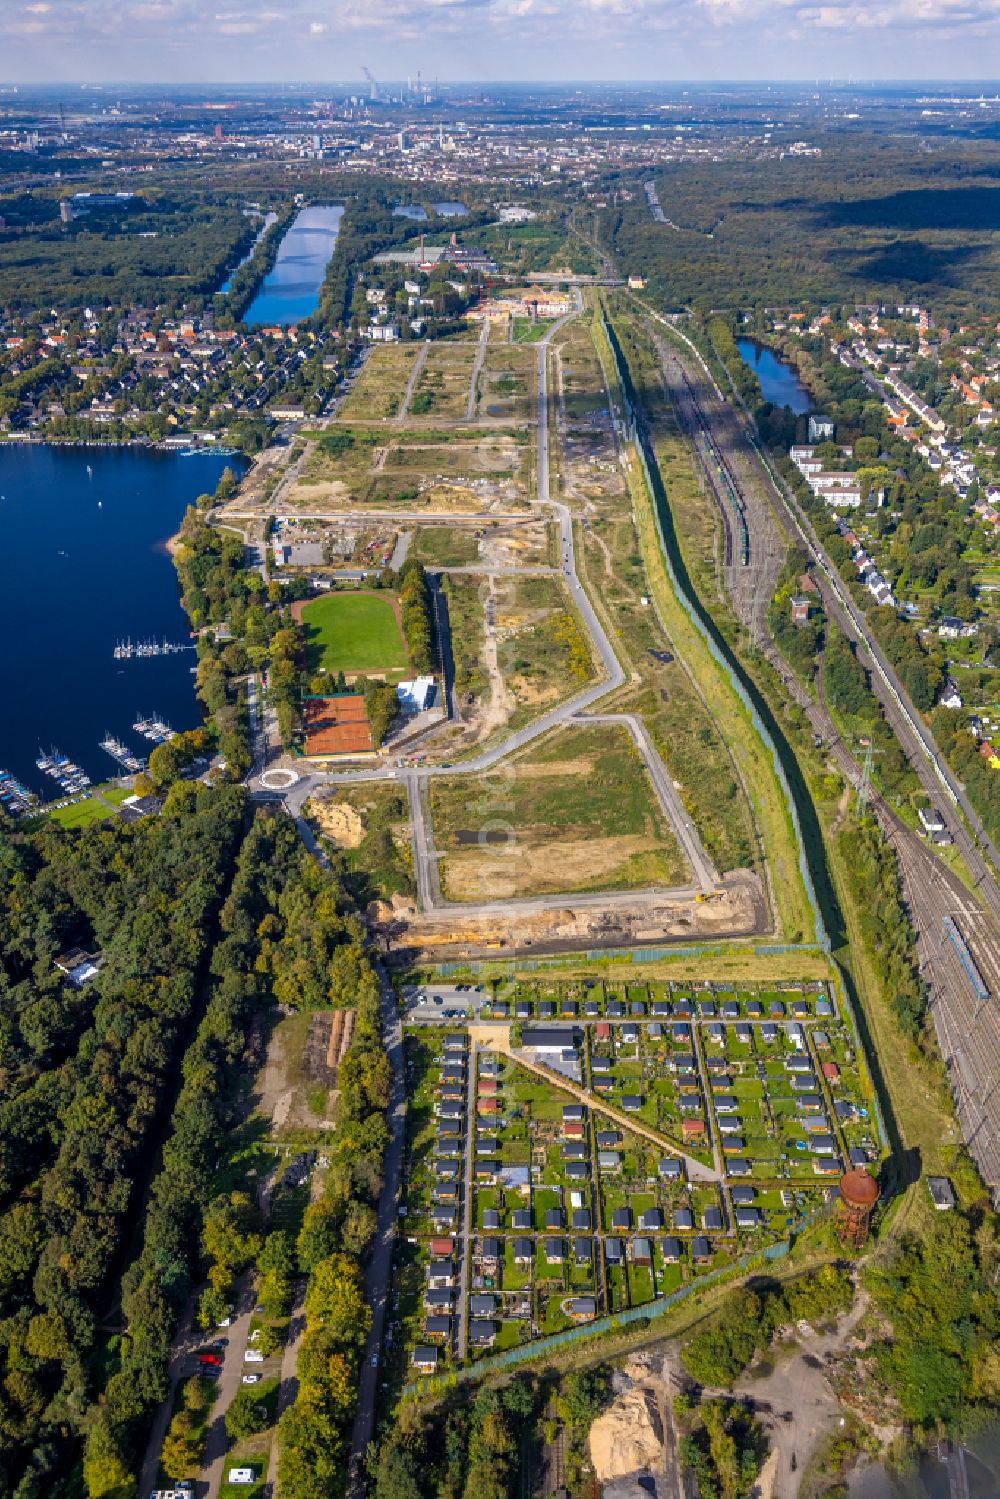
(85, 564)
(778, 381)
(290, 291)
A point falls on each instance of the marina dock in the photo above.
(140, 650)
(122, 755)
(63, 771)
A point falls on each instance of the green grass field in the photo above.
(81, 814)
(353, 632)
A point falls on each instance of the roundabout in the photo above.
(279, 779)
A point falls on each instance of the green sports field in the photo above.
(354, 632)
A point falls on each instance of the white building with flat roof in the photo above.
(416, 696)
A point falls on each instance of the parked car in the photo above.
(252, 1378)
(253, 1356)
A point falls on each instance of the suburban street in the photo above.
(484, 333)
(289, 1386)
(425, 865)
(411, 383)
(467, 1221)
(185, 1340)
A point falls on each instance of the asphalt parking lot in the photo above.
(428, 1003)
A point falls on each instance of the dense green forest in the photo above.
(314, 1434)
(487, 1446)
(89, 1075)
(282, 939)
(206, 918)
(937, 1291)
(867, 219)
(156, 251)
(176, 244)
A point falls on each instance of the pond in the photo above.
(447, 210)
(779, 383)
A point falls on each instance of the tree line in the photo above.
(314, 1433)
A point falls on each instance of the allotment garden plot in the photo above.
(584, 1148)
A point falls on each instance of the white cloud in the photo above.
(470, 39)
(901, 17)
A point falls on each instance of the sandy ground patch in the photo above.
(342, 824)
(547, 866)
(275, 1096)
(446, 935)
(627, 1437)
(798, 1383)
(322, 494)
(531, 694)
(541, 771)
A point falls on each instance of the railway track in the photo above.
(963, 975)
(754, 547)
(725, 487)
(963, 1004)
(721, 480)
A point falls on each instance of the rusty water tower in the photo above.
(858, 1195)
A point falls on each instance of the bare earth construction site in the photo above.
(577, 784)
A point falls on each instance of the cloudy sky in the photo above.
(493, 40)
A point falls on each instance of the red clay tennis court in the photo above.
(337, 727)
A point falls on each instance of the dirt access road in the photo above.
(797, 1384)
